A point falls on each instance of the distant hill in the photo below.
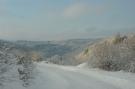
(53, 51)
(49, 49)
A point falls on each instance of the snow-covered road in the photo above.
(60, 77)
(50, 76)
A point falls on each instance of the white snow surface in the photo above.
(50, 76)
(83, 65)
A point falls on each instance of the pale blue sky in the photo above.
(65, 19)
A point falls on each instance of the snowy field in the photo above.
(50, 76)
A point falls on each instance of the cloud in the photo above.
(4, 8)
(76, 10)
(79, 9)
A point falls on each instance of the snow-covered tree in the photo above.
(25, 69)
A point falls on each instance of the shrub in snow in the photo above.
(114, 56)
(56, 59)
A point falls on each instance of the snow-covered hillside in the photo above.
(50, 76)
(112, 54)
(14, 69)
